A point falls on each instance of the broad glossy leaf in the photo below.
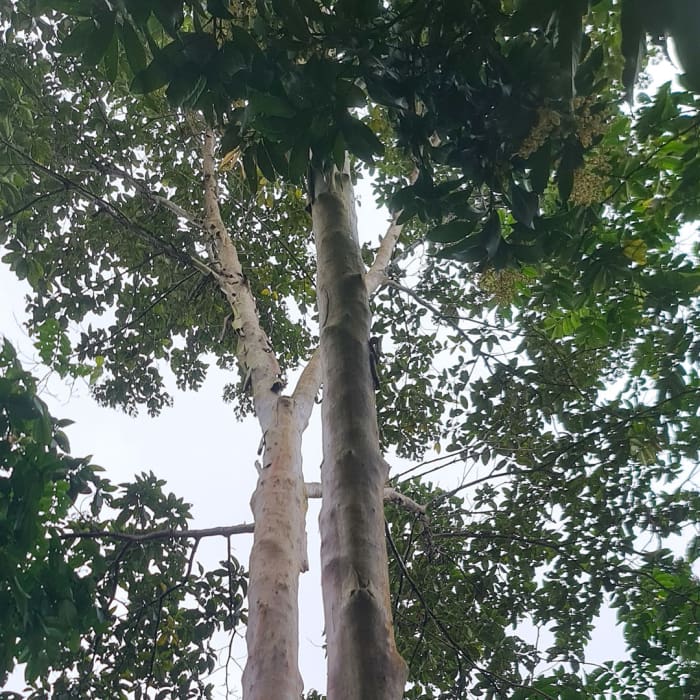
(170, 14)
(154, 76)
(572, 158)
(350, 94)
(243, 41)
(230, 140)
(185, 88)
(111, 59)
(219, 8)
(140, 10)
(78, 39)
(299, 161)
(133, 47)
(199, 47)
(293, 18)
(361, 140)
(540, 164)
(490, 236)
(525, 205)
(98, 44)
(633, 42)
(278, 157)
(272, 105)
(451, 231)
(74, 8)
(265, 163)
(250, 167)
(469, 250)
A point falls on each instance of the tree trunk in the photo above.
(363, 663)
(278, 554)
(276, 559)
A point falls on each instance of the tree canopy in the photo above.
(539, 317)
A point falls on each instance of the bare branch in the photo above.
(143, 189)
(376, 275)
(307, 387)
(313, 490)
(400, 499)
(157, 535)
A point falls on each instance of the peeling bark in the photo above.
(278, 554)
(363, 661)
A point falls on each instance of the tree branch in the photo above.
(313, 490)
(31, 203)
(105, 205)
(254, 349)
(157, 535)
(144, 190)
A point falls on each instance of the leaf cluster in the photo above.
(110, 616)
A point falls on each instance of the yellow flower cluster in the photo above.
(588, 125)
(547, 121)
(590, 181)
(501, 285)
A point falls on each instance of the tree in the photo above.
(497, 129)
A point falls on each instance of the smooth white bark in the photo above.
(278, 554)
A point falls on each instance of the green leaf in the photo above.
(278, 157)
(525, 205)
(362, 10)
(568, 37)
(540, 164)
(185, 88)
(251, 170)
(451, 231)
(231, 139)
(77, 41)
(586, 74)
(350, 94)
(96, 47)
(265, 163)
(198, 48)
(272, 105)
(74, 8)
(133, 47)
(153, 77)
(490, 236)
(292, 17)
(572, 158)
(361, 140)
(339, 151)
(469, 250)
(170, 14)
(219, 8)
(633, 43)
(298, 161)
(111, 59)
(243, 41)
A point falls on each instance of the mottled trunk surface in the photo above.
(276, 559)
(278, 554)
(363, 663)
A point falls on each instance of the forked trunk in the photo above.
(363, 663)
